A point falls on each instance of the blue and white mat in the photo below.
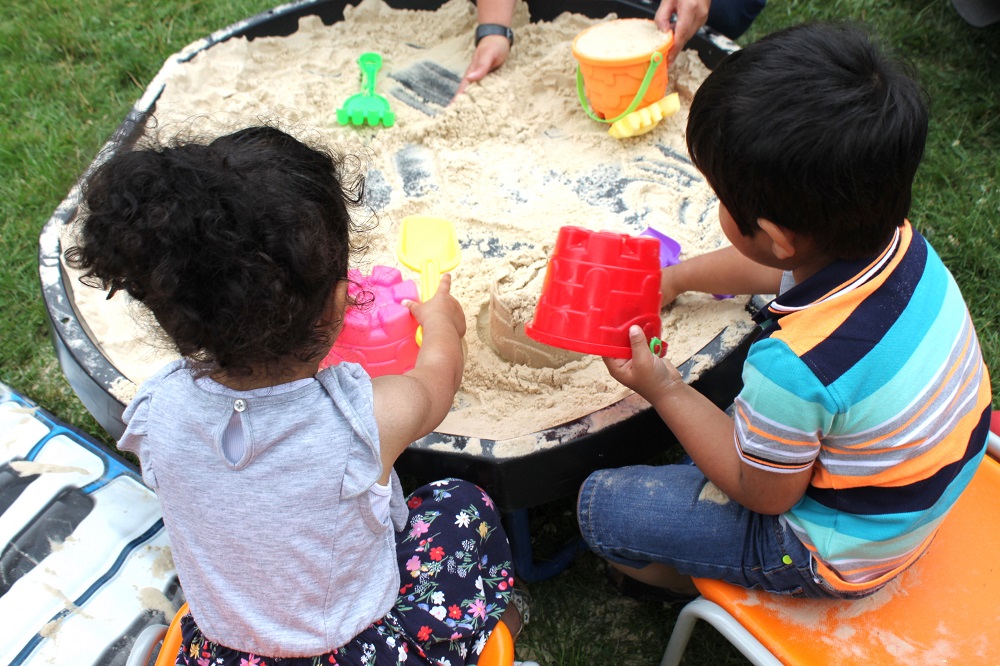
(84, 560)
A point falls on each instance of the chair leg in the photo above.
(145, 643)
(725, 624)
(993, 444)
(526, 567)
(681, 633)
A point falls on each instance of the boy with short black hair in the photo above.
(866, 403)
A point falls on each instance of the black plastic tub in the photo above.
(563, 455)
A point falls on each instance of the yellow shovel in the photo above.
(428, 245)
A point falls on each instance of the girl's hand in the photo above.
(644, 373)
(440, 311)
(410, 405)
(491, 52)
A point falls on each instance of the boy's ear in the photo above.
(782, 239)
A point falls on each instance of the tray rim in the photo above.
(92, 375)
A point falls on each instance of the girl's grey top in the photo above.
(266, 503)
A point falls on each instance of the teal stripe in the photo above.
(896, 395)
(783, 386)
(833, 532)
(898, 346)
(836, 548)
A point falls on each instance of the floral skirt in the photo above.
(456, 579)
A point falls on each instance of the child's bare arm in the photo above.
(705, 431)
(411, 405)
(722, 271)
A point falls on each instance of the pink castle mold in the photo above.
(380, 334)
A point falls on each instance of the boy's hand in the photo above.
(440, 310)
(644, 373)
(669, 290)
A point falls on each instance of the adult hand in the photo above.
(691, 15)
(644, 373)
(491, 52)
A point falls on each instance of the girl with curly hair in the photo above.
(290, 533)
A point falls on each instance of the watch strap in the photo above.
(486, 29)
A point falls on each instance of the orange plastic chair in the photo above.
(147, 640)
(172, 639)
(499, 649)
(943, 609)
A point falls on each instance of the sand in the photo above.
(620, 40)
(509, 162)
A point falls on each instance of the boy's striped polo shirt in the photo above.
(870, 374)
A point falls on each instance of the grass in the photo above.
(71, 71)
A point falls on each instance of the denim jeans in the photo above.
(671, 514)
(733, 17)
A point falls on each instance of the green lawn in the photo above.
(71, 71)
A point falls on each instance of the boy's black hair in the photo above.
(234, 246)
(816, 129)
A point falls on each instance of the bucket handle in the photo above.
(654, 60)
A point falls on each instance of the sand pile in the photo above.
(509, 162)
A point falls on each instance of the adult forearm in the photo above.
(495, 11)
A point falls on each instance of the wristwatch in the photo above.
(486, 29)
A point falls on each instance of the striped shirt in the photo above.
(869, 373)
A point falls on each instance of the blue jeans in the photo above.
(733, 17)
(671, 514)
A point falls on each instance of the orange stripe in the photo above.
(822, 322)
(769, 436)
(764, 461)
(880, 566)
(941, 387)
(947, 451)
(950, 449)
(927, 403)
(955, 443)
(835, 581)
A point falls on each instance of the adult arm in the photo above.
(691, 15)
(492, 50)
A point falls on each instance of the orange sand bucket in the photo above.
(622, 67)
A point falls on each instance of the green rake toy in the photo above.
(367, 105)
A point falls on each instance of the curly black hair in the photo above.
(234, 245)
